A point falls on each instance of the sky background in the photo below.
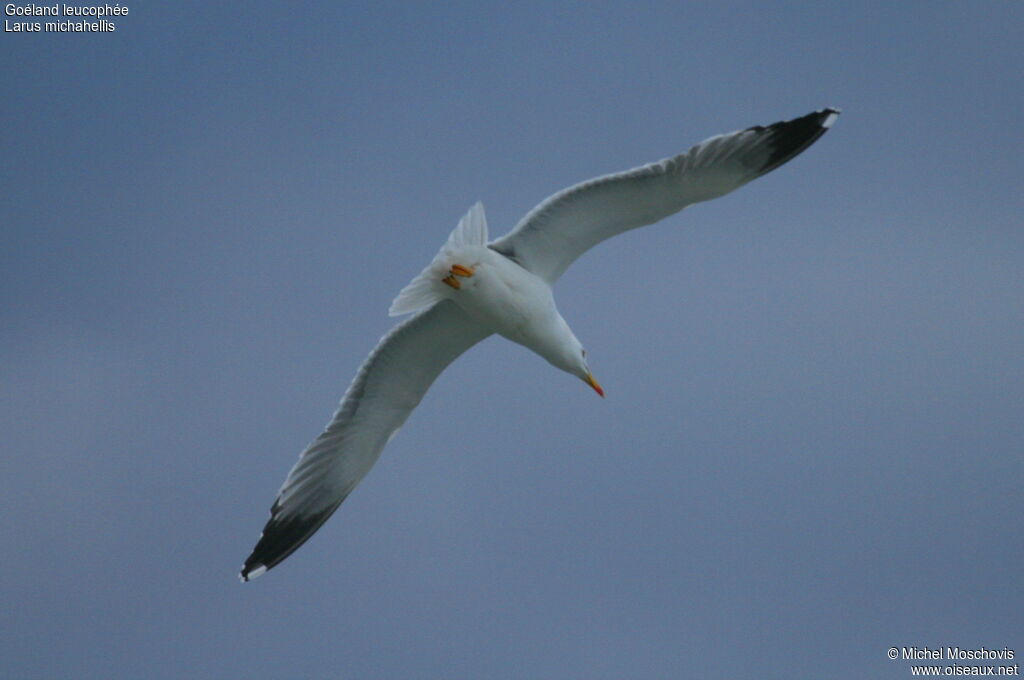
(811, 446)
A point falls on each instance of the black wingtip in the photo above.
(280, 538)
(790, 137)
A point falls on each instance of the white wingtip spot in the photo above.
(830, 118)
(255, 573)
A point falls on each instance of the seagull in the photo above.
(475, 287)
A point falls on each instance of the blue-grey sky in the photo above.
(811, 446)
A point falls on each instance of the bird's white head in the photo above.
(566, 352)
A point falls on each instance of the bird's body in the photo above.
(475, 287)
(503, 296)
(495, 292)
(516, 304)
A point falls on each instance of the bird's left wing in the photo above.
(388, 386)
(567, 224)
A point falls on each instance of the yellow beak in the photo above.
(593, 383)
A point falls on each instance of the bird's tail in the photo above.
(428, 288)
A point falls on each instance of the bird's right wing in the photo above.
(567, 224)
(389, 385)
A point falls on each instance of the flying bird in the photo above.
(475, 287)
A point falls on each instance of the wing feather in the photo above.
(569, 223)
(389, 385)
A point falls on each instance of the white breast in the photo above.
(503, 295)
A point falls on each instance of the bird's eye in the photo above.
(584, 354)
